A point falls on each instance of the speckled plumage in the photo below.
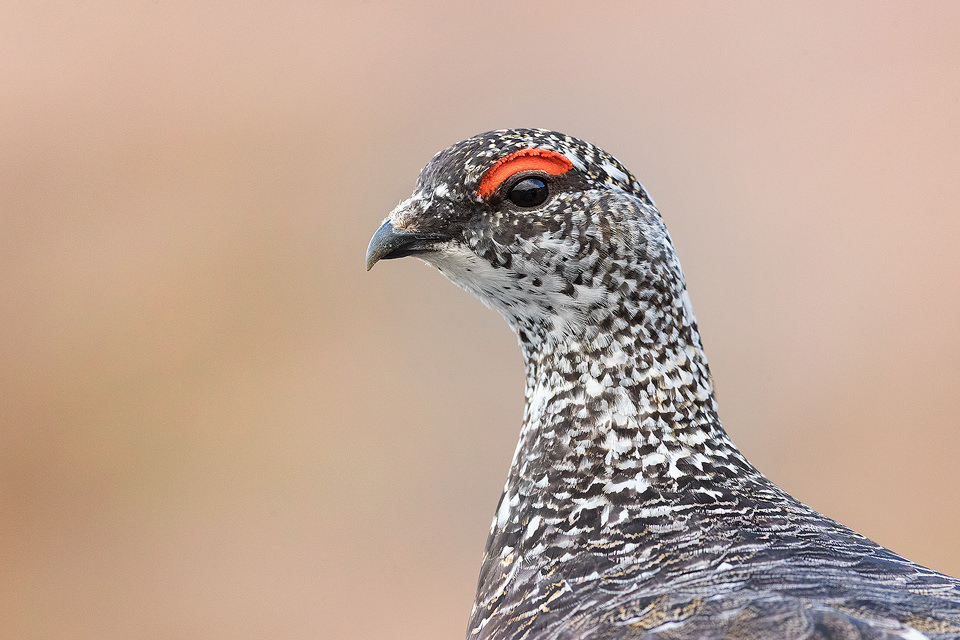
(628, 512)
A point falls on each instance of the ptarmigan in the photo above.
(628, 512)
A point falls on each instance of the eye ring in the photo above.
(529, 192)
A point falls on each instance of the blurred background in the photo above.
(215, 424)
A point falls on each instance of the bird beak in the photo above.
(389, 243)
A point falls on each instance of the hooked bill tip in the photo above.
(382, 243)
(389, 243)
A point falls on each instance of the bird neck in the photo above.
(624, 404)
(620, 430)
(620, 413)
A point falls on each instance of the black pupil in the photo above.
(529, 192)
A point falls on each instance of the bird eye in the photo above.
(529, 192)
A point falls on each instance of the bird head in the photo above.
(549, 230)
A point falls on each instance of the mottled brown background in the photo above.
(215, 424)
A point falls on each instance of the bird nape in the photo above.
(627, 511)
